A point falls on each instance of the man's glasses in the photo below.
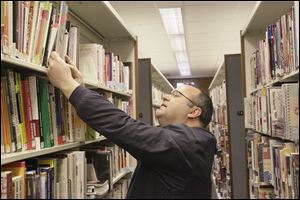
(176, 93)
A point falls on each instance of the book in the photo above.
(6, 185)
(291, 111)
(18, 170)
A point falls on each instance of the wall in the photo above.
(201, 83)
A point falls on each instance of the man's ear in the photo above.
(195, 113)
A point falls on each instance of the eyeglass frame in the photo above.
(175, 90)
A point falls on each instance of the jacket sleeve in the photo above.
(150, 144)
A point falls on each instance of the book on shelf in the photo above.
(270, 163)
(277, 53)
(218, 126)
(275, 111)
(36, 115)
(18, 170)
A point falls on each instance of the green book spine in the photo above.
(45, 112)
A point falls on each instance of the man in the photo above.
(175, 159)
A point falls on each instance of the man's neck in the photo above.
(193, 123)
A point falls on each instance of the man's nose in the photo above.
(167, 97)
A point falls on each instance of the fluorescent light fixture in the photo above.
(183, 65)
(181, 56)
(184, 68)
(177, 42)
(172, 20)
(185, 73)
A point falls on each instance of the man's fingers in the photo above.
(74, 70)
(53, 54)
(68, 60)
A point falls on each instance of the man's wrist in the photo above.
(69, 88)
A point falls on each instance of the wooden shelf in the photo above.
(17, 156)
(292, 77)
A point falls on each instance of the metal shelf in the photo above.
(121, 175)
(98, 87)
(21, 64)
(17, 156)
(274, 137)
(291, 77)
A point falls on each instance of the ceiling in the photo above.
(212, 29)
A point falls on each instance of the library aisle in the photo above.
(149, 99)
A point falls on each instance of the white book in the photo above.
(88, 62)
(37, 31)
(62, 171)
(61, 29)
(17, 187)
(70, 124)
(248, 112)
(291, 110)
(80, 177)
(34, 109)
(101, 73)
(10, 28)
(25, 26)
(65, 45)
(35, 8)
(73, 44)
(44, 185)
(126, 78)
(71, 174)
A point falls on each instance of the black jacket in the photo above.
(174, 161)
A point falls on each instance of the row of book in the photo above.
(64, 175)
(221, 167)
(277, 54)
(274, 111)
(32, 29)
(103, 68)
(218, 126)
(218, 94)
(273, 168)
(35, 115)
(218, 97)
(61, 176)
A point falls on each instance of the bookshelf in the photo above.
(153, 85)
(97, 22)
(227, 126)
(270, 59)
